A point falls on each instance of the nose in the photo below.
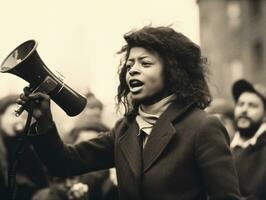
(134, 70)
(244, 109)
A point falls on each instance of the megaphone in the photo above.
(25, 62)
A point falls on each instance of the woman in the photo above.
(165, 147)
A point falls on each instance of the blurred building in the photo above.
(233, 37)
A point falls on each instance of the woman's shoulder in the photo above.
(195, 116)
(206, 121)
(197, 120)
(211, 127)
(120, 125)
(201, 117)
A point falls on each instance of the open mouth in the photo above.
(135, 85)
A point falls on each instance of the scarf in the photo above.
(148, 115)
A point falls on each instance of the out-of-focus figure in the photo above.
(31, 174)
(89, 120)
(3, 169)
(249, 143)
(88, 126)
(224, 110)
(63, 189)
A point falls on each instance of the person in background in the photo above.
(3, 169)
(88, 126)
(63, 189)
(165, 146)
(31, 173)
(89, 119)
(249, 142)
(224, 110)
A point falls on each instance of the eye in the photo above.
(239, 104)
(128, 66)
(146, 64)
(253, 105)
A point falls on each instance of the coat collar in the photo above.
(161, 134)
(239, 141)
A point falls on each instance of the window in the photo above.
(237, 69)
(258, 54)
(255, 7)
(234, 13)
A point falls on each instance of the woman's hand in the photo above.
(41, 103)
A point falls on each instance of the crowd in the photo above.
(174, 141)
(33, 181)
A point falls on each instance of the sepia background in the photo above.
(80, 38)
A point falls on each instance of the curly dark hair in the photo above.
(185, 69)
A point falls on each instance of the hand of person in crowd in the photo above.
(78, 191)
(41, 101)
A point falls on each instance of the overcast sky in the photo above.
(80, 38)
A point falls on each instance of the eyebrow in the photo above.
(140, 58)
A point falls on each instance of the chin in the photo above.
(138, 98)
(146, 98)
(243, 125)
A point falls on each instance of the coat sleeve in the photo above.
(215, 161)
(68, 160)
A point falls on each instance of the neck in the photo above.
(157, 107)
(155, 98)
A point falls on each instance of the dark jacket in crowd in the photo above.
(31, 174)
(187, 157)
(251, 168)
(100, 185)
(3, 169)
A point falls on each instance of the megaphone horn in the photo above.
(25, 62)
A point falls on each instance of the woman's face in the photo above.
(144, 76)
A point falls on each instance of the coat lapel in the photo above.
(161, 134)
(130, 147)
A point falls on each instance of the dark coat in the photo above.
(251, 168)
(3, 169)
(187, 157)
(31, 174)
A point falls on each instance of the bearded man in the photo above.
(249, 143)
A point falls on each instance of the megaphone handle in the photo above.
(20, 109)
(47, 86)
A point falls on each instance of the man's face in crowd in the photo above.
(249, 111)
